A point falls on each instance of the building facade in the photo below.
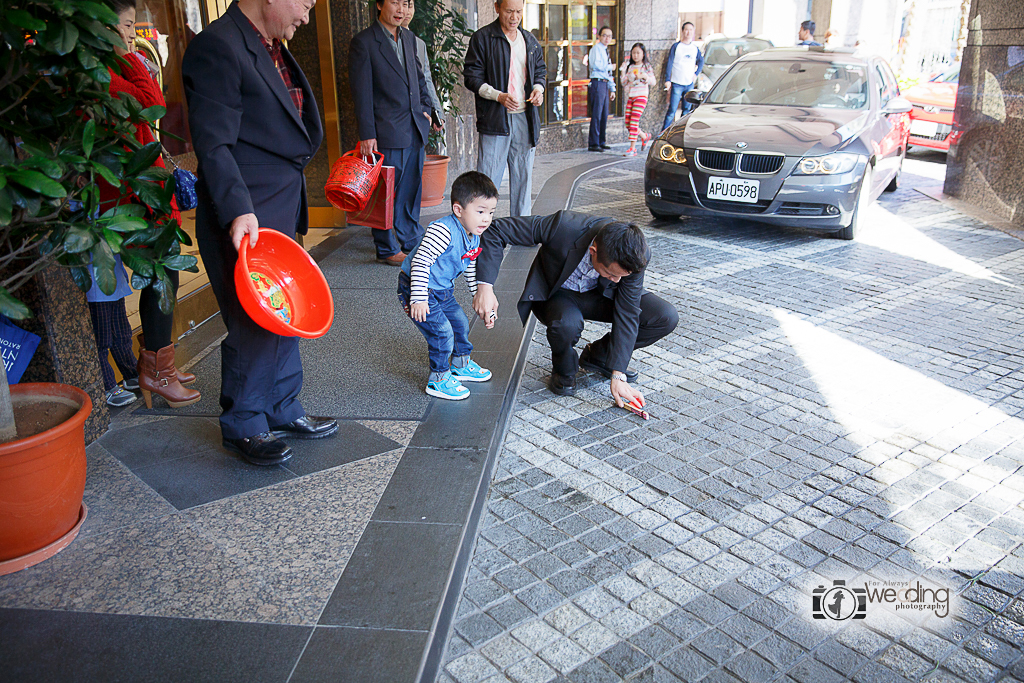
(566, 29)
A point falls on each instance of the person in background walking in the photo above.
(602, 89)
(684, 63)
(806, 33)
(437, 113)
(505, 70)
(637, 78)
(392, 114)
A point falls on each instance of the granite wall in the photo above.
(985, 165)
(304, 47)
(347, 19)
(67, 353)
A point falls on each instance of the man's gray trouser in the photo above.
(514, 150)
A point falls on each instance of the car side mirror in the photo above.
(897, 105)
(695, 97)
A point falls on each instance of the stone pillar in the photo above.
(347, 19)
(985, 165)
(67, 353)
(304, 46)
(821, 15)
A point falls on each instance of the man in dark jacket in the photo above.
(505, 70)
(587, 268)
(254, 126)
(393, 116)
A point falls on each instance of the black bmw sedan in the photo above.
(790, 136)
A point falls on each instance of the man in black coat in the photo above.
(587, 268)
(254, 126)
(392, 109)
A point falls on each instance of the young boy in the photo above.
(426, 285)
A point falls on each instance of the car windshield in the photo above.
(793, 84)
(725, 52)
(948, 77)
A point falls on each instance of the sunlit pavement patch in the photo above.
(831, 420)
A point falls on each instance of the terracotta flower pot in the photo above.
(435, 177)
(42, 479)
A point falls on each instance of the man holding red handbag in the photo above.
(392, 114)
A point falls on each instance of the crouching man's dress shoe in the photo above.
(306, 427)
(261, 449)
(562, 385)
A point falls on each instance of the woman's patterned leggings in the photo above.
(634, 110)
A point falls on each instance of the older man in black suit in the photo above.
(254, 126)
(393, 117)
(588, 268)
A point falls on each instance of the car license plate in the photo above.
(733, 190)
(924, 129)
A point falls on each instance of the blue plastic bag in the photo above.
(17, 348)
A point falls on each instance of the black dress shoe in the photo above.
(606, 146)
(562, 385)
(595, 148)
(306, 427)
(588, 363)
(262, 449)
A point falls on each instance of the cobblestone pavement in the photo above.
(825, 411)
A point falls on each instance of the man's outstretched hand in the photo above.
(484, 302)
(623, 394)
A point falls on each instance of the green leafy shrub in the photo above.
(60, 132)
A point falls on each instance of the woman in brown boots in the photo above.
(157, 372)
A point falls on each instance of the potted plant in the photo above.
(60, 132)
(445, 32)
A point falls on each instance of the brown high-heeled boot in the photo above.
(157, 375)
(183, 377)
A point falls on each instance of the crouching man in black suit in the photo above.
(587, 268)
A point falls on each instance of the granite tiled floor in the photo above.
(825, 411)
(270, 554)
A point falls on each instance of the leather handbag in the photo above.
(379, 212)
(352, 181)
(184, 185)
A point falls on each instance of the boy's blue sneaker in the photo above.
(448, 388)
(472, 372)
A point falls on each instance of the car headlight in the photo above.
(667, 152)
(830, 164)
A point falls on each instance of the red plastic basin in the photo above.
(281, 287)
